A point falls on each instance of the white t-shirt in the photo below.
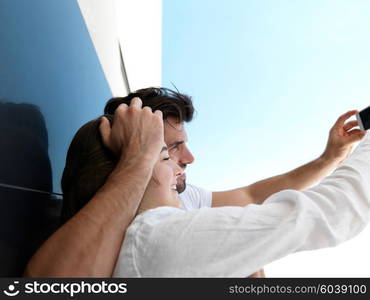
(195, 197)
(238, 241)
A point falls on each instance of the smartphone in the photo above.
(363, 118)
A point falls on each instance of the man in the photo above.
(102, 226)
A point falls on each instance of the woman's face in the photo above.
(164, 179)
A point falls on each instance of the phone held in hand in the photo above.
(363, 118)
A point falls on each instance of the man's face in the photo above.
(175, 138)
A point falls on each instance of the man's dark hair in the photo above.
(171, 103)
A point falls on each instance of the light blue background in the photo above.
(268, 79)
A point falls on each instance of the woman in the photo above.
(166, 241)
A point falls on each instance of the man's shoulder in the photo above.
(195, 197)
(191, 189)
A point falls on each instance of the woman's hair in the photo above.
(88, 165)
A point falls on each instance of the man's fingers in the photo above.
(344, 117)
(356, 135)
(159, 113)
(356, 131)
(148, 108)
(122, 106)
(120, 110)
(350, 125)
(105, 130)
(136, 102)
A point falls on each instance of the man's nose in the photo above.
(186, 157)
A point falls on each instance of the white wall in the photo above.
(137, 27)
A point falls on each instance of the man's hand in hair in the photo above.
(134, 131)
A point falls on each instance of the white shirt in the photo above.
(238, 241)
(195, 197)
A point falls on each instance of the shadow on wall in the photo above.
(28, 212)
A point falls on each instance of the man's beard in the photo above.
(181, 185)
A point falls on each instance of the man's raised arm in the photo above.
(88, 244)
(341, 138)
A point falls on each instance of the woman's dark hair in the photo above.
(89, 163)
(171, 103)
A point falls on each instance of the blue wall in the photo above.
(48, 59)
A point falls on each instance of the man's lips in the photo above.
(182, 176)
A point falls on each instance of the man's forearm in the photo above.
(297, 179)
(89, 243)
